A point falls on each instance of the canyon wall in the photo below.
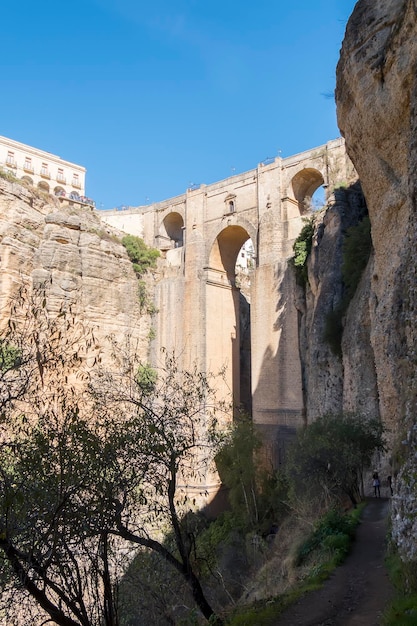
(376, 100)
(79, 263)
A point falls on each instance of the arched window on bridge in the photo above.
(171, 232)
(230, 204)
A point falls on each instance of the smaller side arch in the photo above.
(27, 179)
(171, 231)
(303, 185)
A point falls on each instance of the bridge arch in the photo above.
(171, 231)
(242, 226)
(228, 316)
(303, 185)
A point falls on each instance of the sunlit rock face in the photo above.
(75, 259)
(376, 99)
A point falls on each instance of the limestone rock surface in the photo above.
(78, 260)
(377, 112)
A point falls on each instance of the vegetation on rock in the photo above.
(302, 248)
(143, 258)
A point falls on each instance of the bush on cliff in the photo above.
(142, 256)
(302, 248)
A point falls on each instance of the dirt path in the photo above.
(358, 591)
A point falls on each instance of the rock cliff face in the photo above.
(377, 112)
(336, 382)
(75, 258)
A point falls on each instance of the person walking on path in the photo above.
(376, 484)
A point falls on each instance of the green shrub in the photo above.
(142, 256)
(302, 248)
(333, 533)
(10, 357)
(210, 540)
(146, 378)
(402, 612)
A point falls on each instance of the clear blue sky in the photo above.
(155, 95)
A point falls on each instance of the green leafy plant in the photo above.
(10, 356)
(142, 256)
(333, 533)
(331, 454)
(302, 248)
(146, 378)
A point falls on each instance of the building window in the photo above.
(230, 204)
(76, 181)
(10, 161)
(60, 176)
(44, 171)
(27, 165)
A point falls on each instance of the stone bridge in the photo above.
(246, 321)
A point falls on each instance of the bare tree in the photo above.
(90, 466)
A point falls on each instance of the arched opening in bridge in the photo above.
(318, 199)
(228, 313)
(304, 187)
(171, 231)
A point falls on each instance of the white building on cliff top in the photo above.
(41, 169)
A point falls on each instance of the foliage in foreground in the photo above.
(256, 496)
(330, 455)
(86, 477)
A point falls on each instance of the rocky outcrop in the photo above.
(377, 113)
(77, 260)
(338, 375)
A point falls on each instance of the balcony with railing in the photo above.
(44, 173)
(76, 183)
(11, 162)
(60, 178)
(28, 167)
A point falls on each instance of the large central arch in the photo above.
(226, 307)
